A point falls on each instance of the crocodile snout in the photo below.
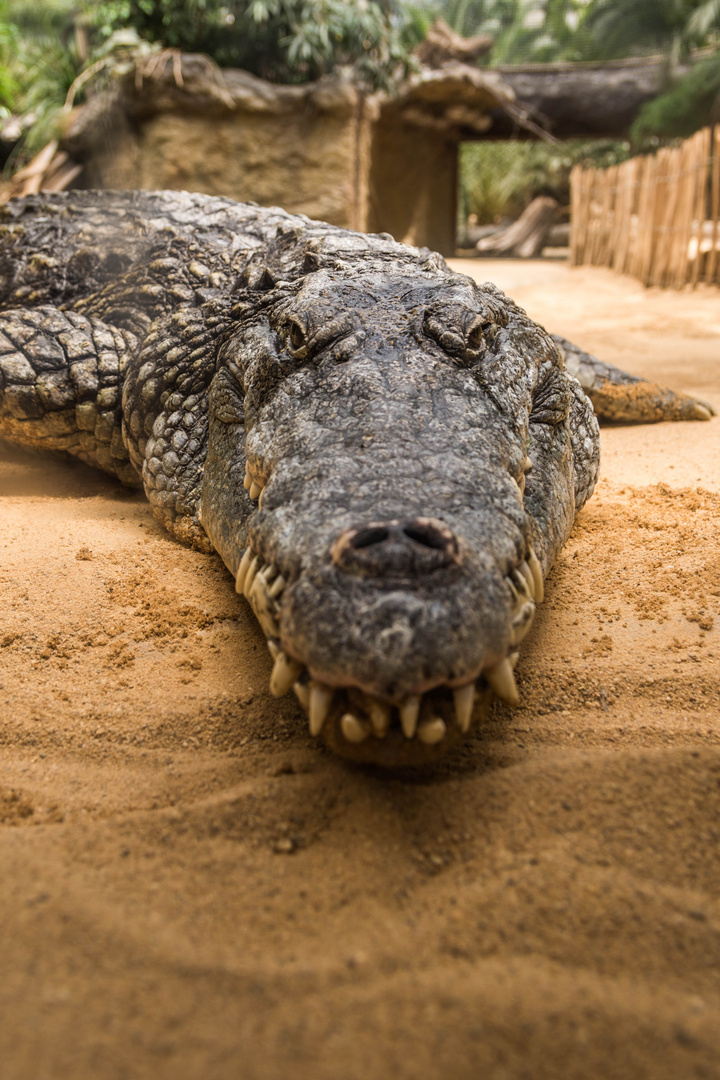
(409, 548)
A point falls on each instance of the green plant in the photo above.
(524, 30)
(45, 46)
(39, 60)
(8, 83)
(617, 28)
(499, 179)
(692, 103)
(281, 40)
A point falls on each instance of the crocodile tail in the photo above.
(625, 399)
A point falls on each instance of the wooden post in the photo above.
(714, 207)
(646, 201)
(576, 210)
(612, 233)
(600, 210)
(624, 210)
(664, 215)
(684, 158)
(702, 152)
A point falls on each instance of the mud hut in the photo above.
(376, 162)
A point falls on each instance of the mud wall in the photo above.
(352, 166)
(304, 163)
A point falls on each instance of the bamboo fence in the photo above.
(656, 217)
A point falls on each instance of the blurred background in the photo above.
(438, 122)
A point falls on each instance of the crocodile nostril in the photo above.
(428, 535)
(367, 537)
(387, 548)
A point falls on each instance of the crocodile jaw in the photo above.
(360, 723)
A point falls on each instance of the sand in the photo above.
(192, 889)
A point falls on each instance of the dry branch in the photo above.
(526, 237)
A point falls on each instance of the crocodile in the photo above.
(386, 456)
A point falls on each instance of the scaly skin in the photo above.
(387, 457)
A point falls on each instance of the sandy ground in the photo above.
(191, 889)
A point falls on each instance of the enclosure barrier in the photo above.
(654, 217)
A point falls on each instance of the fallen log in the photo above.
(527, 236)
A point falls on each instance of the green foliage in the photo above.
(282, 40)
(38, 63)
(45, 45)
(692, 103)
(534, 31)
(704, 24)
(8, 45)
(538, 32)
(499, 179)
(466, 17)
(552, 30)
(617, 28)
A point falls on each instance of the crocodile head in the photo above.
(371, 437)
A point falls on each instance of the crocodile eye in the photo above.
(298, 337)
(480, 335)
(464, 334)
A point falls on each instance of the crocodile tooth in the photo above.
(273, 648)
(285, 672)
(263, 606)
(409, 712)
(250, 576)
(270, 572)
(521, 585)
(464, 698)
(502, 681)
(379, 714)
(247, 558)
(536, 571)
(352, 729)
(513, 589)
(513, 658)
(255, 490)
(522, 621)
(302, 693)
(277, 587)
(432, 731)
(524, 569)
(248, 477)
(319, 706)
